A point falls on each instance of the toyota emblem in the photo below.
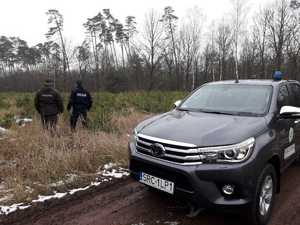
(158, 150)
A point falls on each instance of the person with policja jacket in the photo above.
(80, 102)
(48, 102)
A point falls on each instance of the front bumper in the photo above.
(201, 184)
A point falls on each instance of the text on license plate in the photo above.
(161, 184)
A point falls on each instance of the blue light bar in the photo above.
(278, 75)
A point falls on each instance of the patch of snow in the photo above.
(171, 223)
(71, 177)
(24, 207)
(57, 184)
(5, 210)
(2, 186)
(3, 130)
(29, 189)
(73, 191)
(115, 173)
(107, 175)
(9, 163)
(109, 170)
(23, 121)
(109, 166)
(42, 198)
(96, 183)
(93, 184)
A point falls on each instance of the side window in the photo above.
(295, 92)
(283, 96)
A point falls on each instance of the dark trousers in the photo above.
(75, 116)
(49, 122)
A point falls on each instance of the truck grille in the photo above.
(176, 152)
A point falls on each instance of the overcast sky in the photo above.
(27, 18)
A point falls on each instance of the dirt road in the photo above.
(128, 202)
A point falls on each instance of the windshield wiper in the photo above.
(247, 114)
(218, 112)
(183, 109)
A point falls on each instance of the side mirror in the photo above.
(290, 112)
(177, 103)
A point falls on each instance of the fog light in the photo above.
(228, 189)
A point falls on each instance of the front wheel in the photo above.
(263, 203)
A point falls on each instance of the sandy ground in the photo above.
(127, 202)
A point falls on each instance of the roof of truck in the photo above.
(253, 82)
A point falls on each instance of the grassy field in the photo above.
(105, 106)
(34, 160)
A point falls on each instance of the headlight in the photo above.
(231, 153)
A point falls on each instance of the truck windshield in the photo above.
(235, 99)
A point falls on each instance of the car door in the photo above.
(285, 128)
(294, 89)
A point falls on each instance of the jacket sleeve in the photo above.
(71, 101)
(36, 102)
(90, 101)
(60, 103)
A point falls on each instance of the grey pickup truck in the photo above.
(226, 145)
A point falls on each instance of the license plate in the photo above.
(158, 183)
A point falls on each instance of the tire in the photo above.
(261, 208)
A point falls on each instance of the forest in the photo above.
(162, 52)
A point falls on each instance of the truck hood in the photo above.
(202, 129)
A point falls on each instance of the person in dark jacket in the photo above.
(48, 102)
(80, 102)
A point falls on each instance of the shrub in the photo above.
(7, 120)
(3, 103)
(25, 104)
(101, 119)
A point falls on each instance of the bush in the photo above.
(155, 102)
(108, 104)
(101, 119)
(25, 104)
(7, 120)
(5, 100)
(3, 103)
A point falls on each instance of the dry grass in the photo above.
(36, 158)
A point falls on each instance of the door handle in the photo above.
(297, 121)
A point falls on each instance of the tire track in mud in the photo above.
(127, 202)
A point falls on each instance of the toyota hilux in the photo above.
(225, 145)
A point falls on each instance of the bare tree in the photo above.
(190, 43)
(249, 51)
(280, 24)
(293, 44)
(260, 38)
(94, 29)
(129, 31)
(210, 55)
(151, 45)
(170, 23)
(7, 55)
(111, 25)
(50, 57)
(223, 41)
(82, 54)
(239, 14)
(56, 22)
